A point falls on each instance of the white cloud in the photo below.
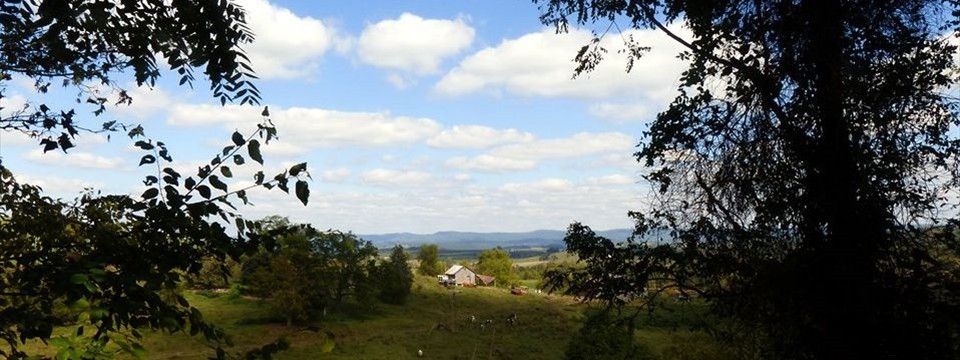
(335, 175)
(613, 179)
(286, 45)
(75, 159)
(490, 163)
(413, 44)
(58, 186)
(550, 203)
(310, 128)
(393, 178)
(622, 113)
(540, 64)
(526, 156)
(476, 136)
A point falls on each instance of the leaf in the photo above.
(254, 149)
(216, 183)
(238, 138)
(296, 169)
(266, 111)
(80, 305)
(143, 145)
(147, 159)
(227, 149)
(204, 191)
(190, 183)
(150, 193)
(258, 177)
(226, 172)
(237, 159)
(303, 191)
(79, 279)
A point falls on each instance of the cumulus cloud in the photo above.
(540, 64)
(490, 163)
(613, 179)
(476, 136)
(526, 156)
(393, 178)
(75, 159)
(622, 113)
(335, 175)
(311, 128)
(413, 44)
(549, 203)
(286, 45)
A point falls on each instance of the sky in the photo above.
(413, 116)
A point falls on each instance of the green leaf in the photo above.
(79, 278)
(238, 138)
(204, 191)
(147, 159)
(190, 183)
(298, 168)
(226, 171)
(150, 193)
(216, 183)
(80, 305)
(258, 177)
(254, 149)
(143, 145)
(237, 159)
(303, 191)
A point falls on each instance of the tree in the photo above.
(429, 257)
(496, 262)
(113, 258)
(799, 174)
(348, 260)
(288, 276)
(395, 278)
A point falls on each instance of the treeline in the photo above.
(304, 273)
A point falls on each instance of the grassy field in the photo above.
(546, 324)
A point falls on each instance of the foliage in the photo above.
(800, 174)
(86, 44)
(302, 272)
(395, 278)
(117, 262)
(429, 257)
(496, 262)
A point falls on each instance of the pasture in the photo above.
(435, 320)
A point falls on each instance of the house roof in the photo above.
(486, 279)
(453, 270)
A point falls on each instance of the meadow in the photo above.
(435, 320)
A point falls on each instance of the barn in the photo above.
(458, 275)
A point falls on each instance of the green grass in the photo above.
(546, 324)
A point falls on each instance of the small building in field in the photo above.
(486, 280)
(458, 275)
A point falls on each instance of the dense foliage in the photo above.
(429, 257)
(304, 273)
(395, 278)
(497, 263)
(803, 175)
(116, 261)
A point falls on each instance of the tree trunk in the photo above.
(844, 256)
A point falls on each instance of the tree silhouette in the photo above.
(801, 175)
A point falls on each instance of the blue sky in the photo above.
(415, 116)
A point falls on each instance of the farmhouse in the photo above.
(458, 275)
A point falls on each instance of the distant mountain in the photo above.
(479, 241)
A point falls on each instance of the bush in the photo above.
(604, 337)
